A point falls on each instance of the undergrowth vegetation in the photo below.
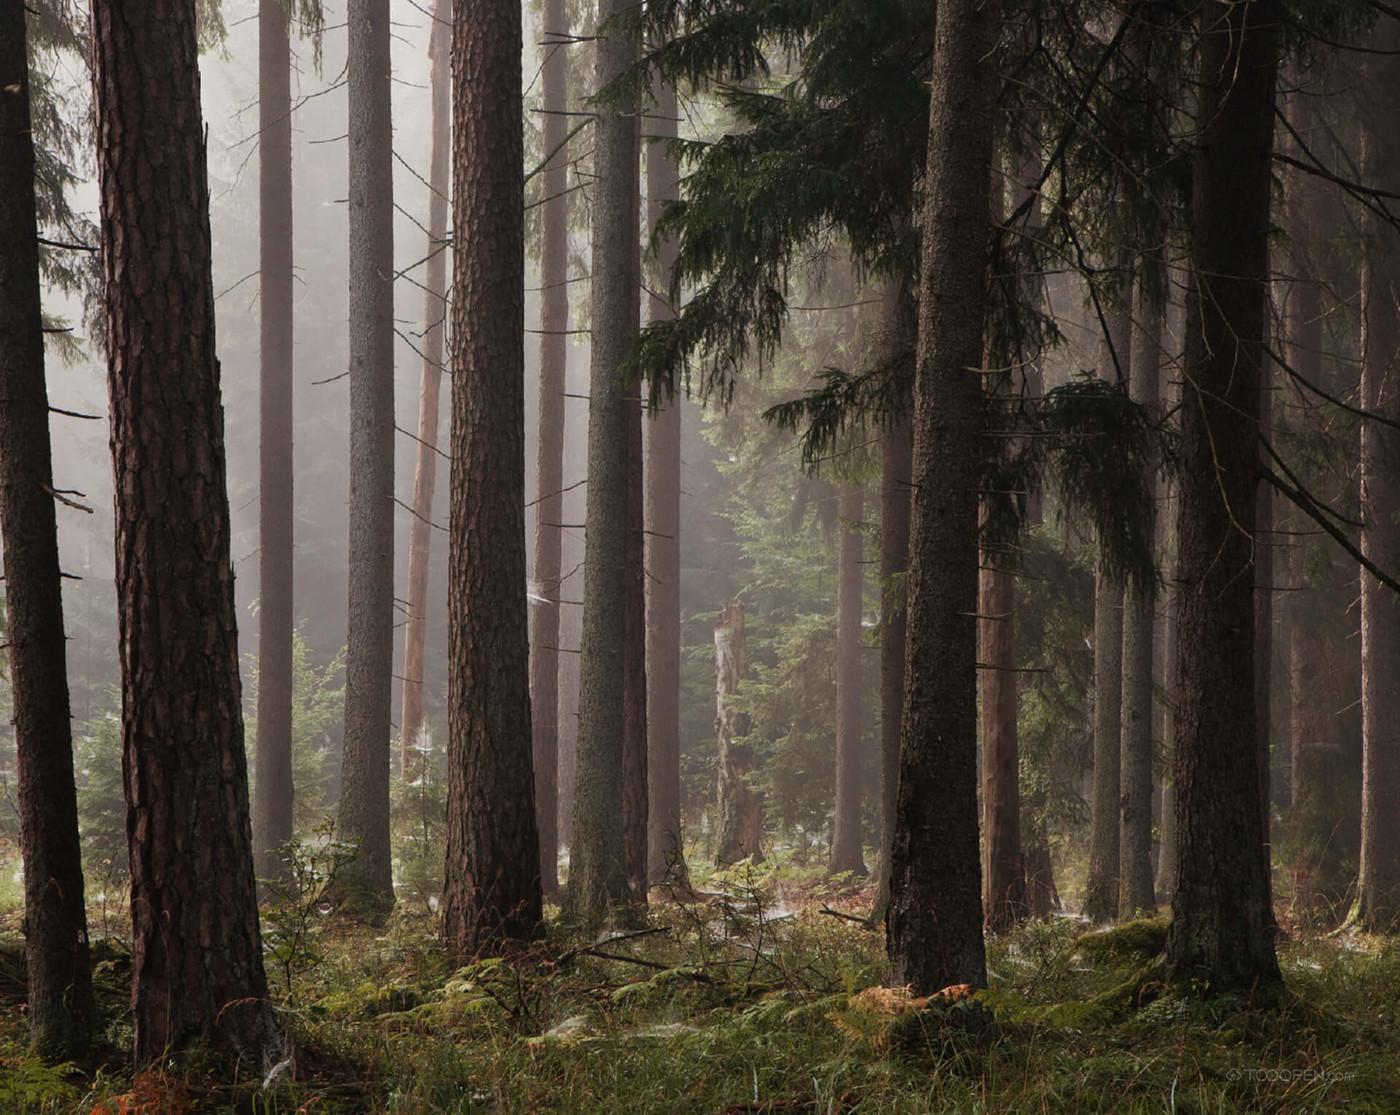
(755, 991)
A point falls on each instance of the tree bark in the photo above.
(420, 531)
(492, 890)
(740, 810)
(899, 329)
(598, 869)
(634, 743)
(1101, 890)
(1005, 902)
(60, 1005)
(549, 454)
(1221, 929)
(665, 848)
(847, 847)
(272, 817)
(369, 643)
(934, 927)
(1378, 900)
(1135, 894)
(1166, 856)
(196, 950)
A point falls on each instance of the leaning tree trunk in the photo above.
(1135, 894)
(549, 448)
(197, 964)
(60, 1005)
(420, 530)
(899, 336)
(739, 808)
(847, 850)
(934, 927)
(1221, 929)
(665, 850)
(492, 889)
(272, 818)
(1379, 887)
(598, 868)
(369, 640)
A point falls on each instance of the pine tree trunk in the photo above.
(369, 642)
(1221, 929)
(420, 530)
(634, 743)
(740, 810)
(1166, 857)
(549, 454)
(598, 868)
(847, 847)
(1101, 890)
(1265, 542)
(898, 338)
(665, 849)
(1135, 894)
(60, 1005)
(492, 889)
(1379, 886)
(272, 818)
(1005, 902)
(934, 926)
(197, 962)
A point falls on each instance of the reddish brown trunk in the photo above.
(1005, 902)
(420, 531)
(196, 952)
(492, 887)
(60, 1005)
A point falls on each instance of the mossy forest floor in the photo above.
(746, 997)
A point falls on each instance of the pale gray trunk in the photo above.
(369, 641)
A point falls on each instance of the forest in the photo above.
(699, 555)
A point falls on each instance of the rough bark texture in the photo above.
(740, 810)
(369, 637)
(847, 847)
(197, 966)
(665, 851)
(598, 869)
(1101, 890)
(420, 531)
(1135, 894)
(634, 698)
(899, 329)
(1264, 542)
(1166, 856)
(1221, 919)
(1379, 887)
(1005, 902)
(492, 887)
(935, 916)
(272, 817)
(549, 454)
(60, 1005)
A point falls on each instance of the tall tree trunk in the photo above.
(1265, 541)
(420, 530)
(1221, 929)
(272, 817)
(1166, 857)
(899, 337)
(847, 848)
(1005, 902)
(740, 820)
(665, 850)
(634, 743)
(196, 949)
(1101, 890)
(935, 916)
(598, 868)
(369, 640)
(549, 452)
(1135, 895)
(1379, 886)
(60, 1005)
(492, 887)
